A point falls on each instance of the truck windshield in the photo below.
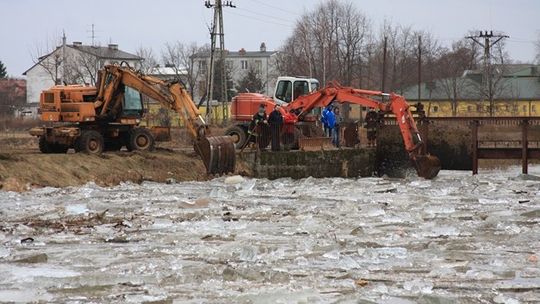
(132, 103)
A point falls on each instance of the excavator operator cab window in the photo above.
(300, 88)
(284, 90)
(133, 106)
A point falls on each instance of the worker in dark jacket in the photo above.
(259, 119)
(276, 121)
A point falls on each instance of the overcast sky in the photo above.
(25, 24)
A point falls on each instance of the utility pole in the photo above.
(488, 75)
(419, 68)
(217, 31)
(384, 64)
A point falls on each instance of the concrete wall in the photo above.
(299, 164)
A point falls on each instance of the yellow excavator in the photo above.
(107, 117)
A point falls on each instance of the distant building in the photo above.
(238, 63)
(73, 64)
(517, 93)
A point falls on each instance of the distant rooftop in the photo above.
(102, 52)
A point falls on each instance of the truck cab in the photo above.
(289, 88)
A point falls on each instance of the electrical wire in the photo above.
(275, 7)
(264, 15)
(259, 19)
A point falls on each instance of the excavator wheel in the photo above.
(238, 135)
(44, 145)
(140, 139)
(427, 166)
(90, 142)
(218, 154)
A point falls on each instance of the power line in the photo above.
(275, 7)
(261, 20)
(265, 15)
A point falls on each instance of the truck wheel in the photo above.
(140, 139)
(44, 145)
(90, 142)
(239, 136)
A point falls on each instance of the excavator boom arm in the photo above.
(427, 166)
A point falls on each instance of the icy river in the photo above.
(455, 239)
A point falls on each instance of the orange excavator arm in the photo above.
(426, 165)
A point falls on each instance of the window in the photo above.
(469, 109)
(257, 65)
(314, 86)
(479, 108)
(229, 65)
(202, 67)
(284, 90)
(244, 64)
(132, 102)
(525, 109)
(435, 109)
(300, 88)
(533, 108)
(48, 97)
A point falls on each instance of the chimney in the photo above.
(113, 46)
(263, 47)
(77, 43)
(242, 52)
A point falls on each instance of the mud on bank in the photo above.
(23, 171)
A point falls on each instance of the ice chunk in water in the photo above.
(76, 209)
(235, 179)
(418, 286)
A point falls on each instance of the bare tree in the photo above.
(537, 46)
(149, 60)
(48, 55)
(180, 57)
(450, 67)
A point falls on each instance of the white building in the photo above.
(238, 63)
(73, 64)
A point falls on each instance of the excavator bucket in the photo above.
(427, 166)
(218, 154)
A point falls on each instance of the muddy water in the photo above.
(457, 238)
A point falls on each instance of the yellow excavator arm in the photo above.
(217, 152)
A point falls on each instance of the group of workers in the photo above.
(274, 121)
(331, 121)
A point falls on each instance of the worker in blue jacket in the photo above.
(325, 120)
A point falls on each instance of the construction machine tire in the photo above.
(90, 142)
(140, 139)
(44, 145)
(239, 136)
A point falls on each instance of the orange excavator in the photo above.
(107, 117)
(427, 166)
